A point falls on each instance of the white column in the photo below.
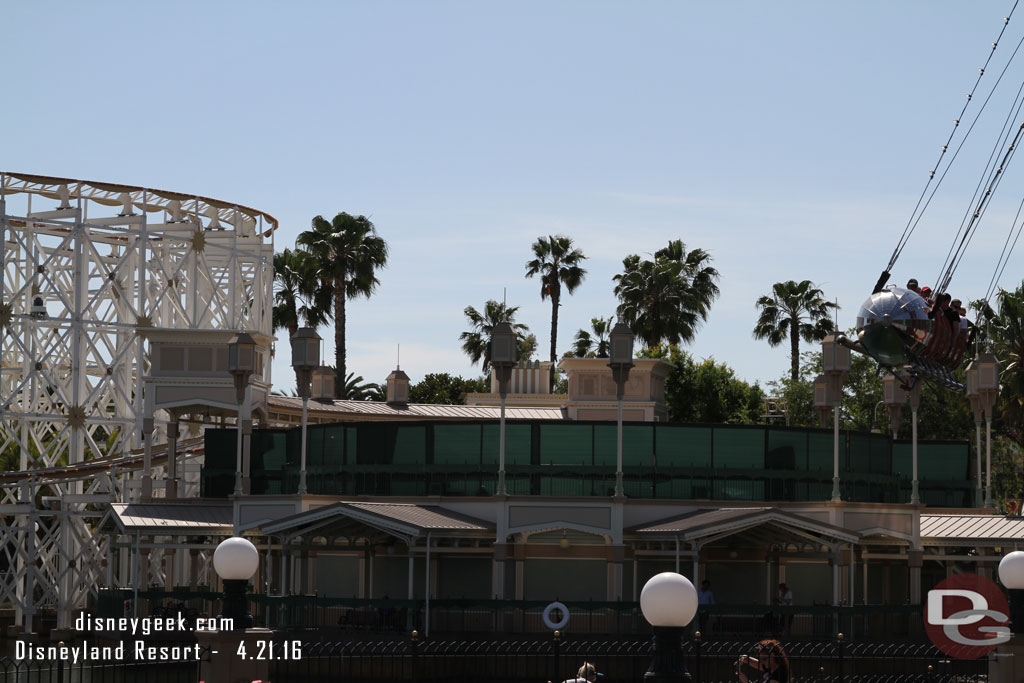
(835, 453)
(979, 497)
(988, 459)
(915, 498)
(302, 465)
(501, 451)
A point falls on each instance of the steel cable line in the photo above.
(983, 203)
(918, 212)
(1004, 257)
(989, 168)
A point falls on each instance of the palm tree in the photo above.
(1008, 335)
(477, 342)
(356, 389)
(794, 310)
(667, 298)
(594, 345)
(297, 294)
(558, 263)
(347, 252)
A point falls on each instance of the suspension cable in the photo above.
(979, 211)
(921, 205)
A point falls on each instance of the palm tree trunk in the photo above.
(339, 338)
(794, 348)
(554, 322)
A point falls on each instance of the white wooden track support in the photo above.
(86, 265)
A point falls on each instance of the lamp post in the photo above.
(914, 398)
(974, 397)
(987, 386)
(241, 364)
(894, 396)
(1011, 574)
(323, 384)
(620, 361)
(504, 355)
(668, 602)
(305, 358)
(835, 362)
(235, 561)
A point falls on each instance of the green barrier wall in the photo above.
(713, 462)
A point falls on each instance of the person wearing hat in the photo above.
(586, 674)
(913, 286)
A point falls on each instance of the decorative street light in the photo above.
(241, 364)
(914, 398)
(894, 396)
(986, 385)
(835, 362)
(1011, 574)
(668, 602)
(305, 358)
(620, 361)
(504, 355)
(323, 384)
(236, 560)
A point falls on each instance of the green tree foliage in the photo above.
(595, 343)
(476, 342)
(445, 389)
(943, 415)
(357, 389)
(1007, 332)
(706, 391)
(794, 310)
(667, 298)
(347, 253)
(298, 297)
(557, 262)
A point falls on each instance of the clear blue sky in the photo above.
(789, 139)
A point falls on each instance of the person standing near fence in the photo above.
(785, 599)
(705, 598)
(769, 666)
(586, 674)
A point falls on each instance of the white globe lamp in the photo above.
(1011, 574)
(235, 561)
(669, 603)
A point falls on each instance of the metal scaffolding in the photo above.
(87, 266)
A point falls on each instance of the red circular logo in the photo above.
(967, 616)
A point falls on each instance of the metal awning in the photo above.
(374, 521)
(952, 530)
(180, 519)
(707, 524)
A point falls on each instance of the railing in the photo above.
(61, 670)
(553, 658)
(359, 618)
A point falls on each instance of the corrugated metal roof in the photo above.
(423, 411)
(176, 518)
(400, 518)
(993, 528)
(699, 518)
(423, 516)
(707, 522)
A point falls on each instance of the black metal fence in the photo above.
(62, 671)
(555, 659)
(533, 660)
(346, 618)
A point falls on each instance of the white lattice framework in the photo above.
(85, 265)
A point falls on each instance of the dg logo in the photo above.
(966, 616)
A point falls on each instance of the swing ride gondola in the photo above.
(905, 333)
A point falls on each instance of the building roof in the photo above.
(717, 521)
(961, 529)
(422, 411)
(405, 520)
(174, 518)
